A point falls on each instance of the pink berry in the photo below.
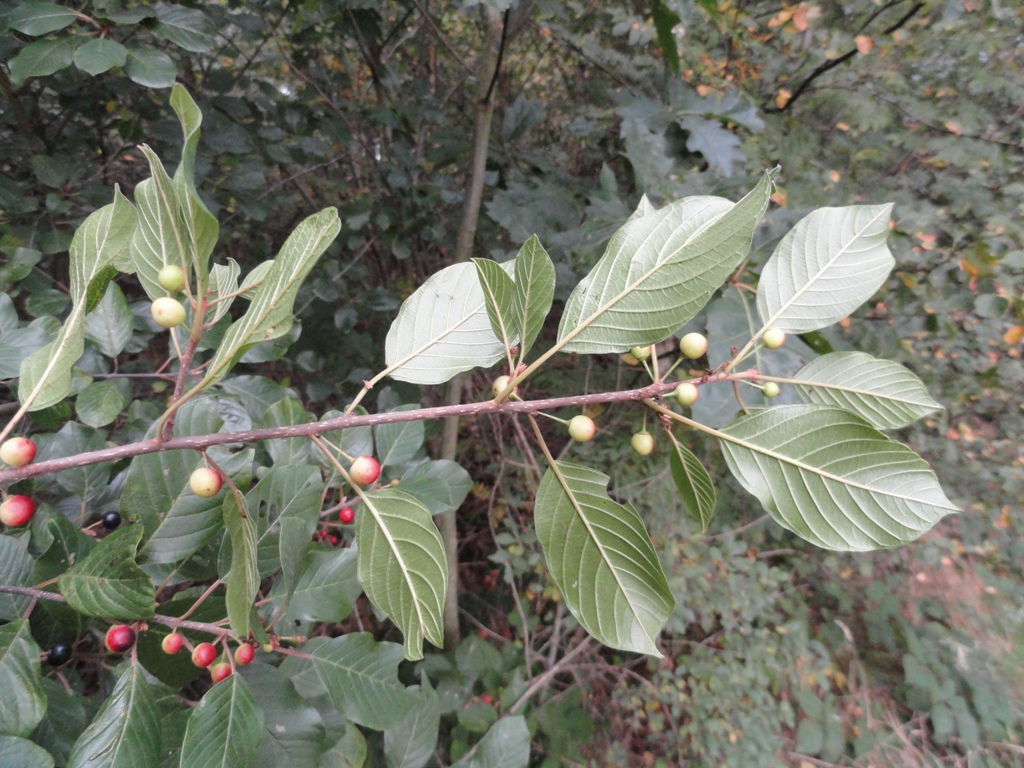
(205, 482)
(220, 671)
(347, 515)
(203, 655)
(120, 638)
(172, 643)
(17, 452)
(17, 511)
(244, 654)
(365, 470)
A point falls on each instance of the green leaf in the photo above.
(108, 583)
(829, 264)
(101, 402)
(327, 588)
(693, 483)
(151, 68)
(97, 56)
(23, 702)
(110, 325)
(601, 559)
(659, 271)
(506, 745)
(283, 413)
(398, 443)
(402, 565)
(15, 569)
(177, 522)
(534, 292)
(442, 329)
(243, 578)
(161, 238)
(41, 58)
(46, 373)
(126, 731)
(284, 495)
(349, 751)
(225, 729)
(270, 313)
(22, 753)
(35, 18)
(441, 485)
(665, 21)
(223, 282)
(67, 715)
(883, 393)
(498, 291)
(359, 674)
(255, 278)
(410, 744)
(293, 732)
(187, 28)
(201, 225)
(831, 478)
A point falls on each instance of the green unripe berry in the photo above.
(770, 389)
(642, 443)
(693, 345)
(641, 353)
(500, 384)
(773, 338)
(686, 394)
(171, 278)
(582, 428)
(168, 312)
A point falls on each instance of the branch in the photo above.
(829, 65)
(201, 442)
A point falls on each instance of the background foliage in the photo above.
(905, 658)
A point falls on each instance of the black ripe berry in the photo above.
(59, 654)
(111, 520)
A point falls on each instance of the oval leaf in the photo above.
(442, 329)
(883, 393)
(402, 565)
(23, 702)
(410, 744)
(831, 478)
(534, 292)
(693, 483)
(108, 583)
(498, 291)
(829, 264)
(225, 729)
(602, 559)
(22, 753)
(659, 270)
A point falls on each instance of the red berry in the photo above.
(204, 654)
(220, 671)
(17, 452)
(17, 511)
(172, 643)
(365, 470)
(347, 515)
(244, 654)
(205, 482)
(333, 540)
(486, 699)
(120, 638)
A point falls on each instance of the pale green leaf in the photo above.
(255, 278)
(15, 569)
(498, 291)
(108, 583)
(100, 54)
(161, 238)
(359, 674)
(41, 58)
(601, 559)
(883, 393)
(101, 402)
(225, 729)
(506, 745)
(327, 588)
(46, 373)
(270, 313)
(22, 753)
(35, 17)
(201, 225)
(410, 744)
(243, 578)
(442, 329)
(126, 731)
(534, 292)
(831, 478)
(223, 282)
(110, 325)
(441, 485)
(349, 751)
(829, 264)
(151, 68)
(659, 270)
(23, 702)
(187, 28)
(398, 442)
(402, 565)
(693, 483)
